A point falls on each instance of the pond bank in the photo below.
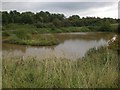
(96, 70)
(38, 40)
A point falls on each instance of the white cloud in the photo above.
(109, 11)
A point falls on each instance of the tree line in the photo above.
(47, 19)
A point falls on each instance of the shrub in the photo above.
(106, 26)
(85, 29)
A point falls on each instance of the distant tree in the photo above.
(39, 25)
(106, 26)
(66, 22)
(14, 17)
(27, 18)
(17, 17)
(57, 22)
(61, 17)
(45, 19)
(0, 18)
(74, 20)
(5, 18)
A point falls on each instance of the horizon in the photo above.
(63, 14)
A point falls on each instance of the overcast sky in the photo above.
(83, 9)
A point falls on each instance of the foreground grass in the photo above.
(99, 69)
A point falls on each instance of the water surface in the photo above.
(72, 46)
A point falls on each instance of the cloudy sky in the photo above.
(83, 9)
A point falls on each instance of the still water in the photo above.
(71, 46)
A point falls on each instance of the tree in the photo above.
(5, 18)
(57, 22)
(106, 26)
(27, 17)
(74, 20)
(61, 17)
(45, 19)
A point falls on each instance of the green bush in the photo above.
(106, 27)
(14, 26)
(44, 25)
(85, 29)
(5, 33)
(94, 28)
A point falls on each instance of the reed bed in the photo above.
(98, 69)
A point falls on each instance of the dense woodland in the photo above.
(46, 19)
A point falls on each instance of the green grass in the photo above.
(114, 27)
(11, 28)
(99, 69)
(28, 39)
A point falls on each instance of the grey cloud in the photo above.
(67, 8)
(60, 6)
(78, 5)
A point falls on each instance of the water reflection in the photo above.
(72, 46)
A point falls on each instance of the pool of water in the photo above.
(71, 46)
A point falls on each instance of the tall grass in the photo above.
(99, 69)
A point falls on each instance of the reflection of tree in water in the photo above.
(9, 47)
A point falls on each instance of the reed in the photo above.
(99, 69)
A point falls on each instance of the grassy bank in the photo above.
(23, 33)
(10, 28)
(23, 37)
(98, 69)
